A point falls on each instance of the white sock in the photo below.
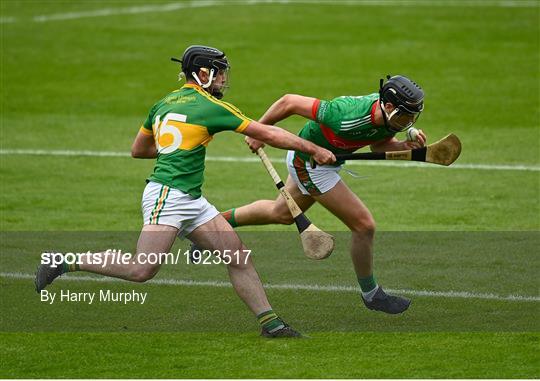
(368, 296)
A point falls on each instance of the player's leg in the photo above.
(325, 186)
(153, 239)
(345, 205)
(159, 206)
(216, 234)
(264, 212)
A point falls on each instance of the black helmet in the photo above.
(406, 96)
(197, 57)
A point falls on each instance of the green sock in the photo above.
(368, 283)
(67, 268)
(229, 216)
(270, 321)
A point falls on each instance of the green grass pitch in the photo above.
(462, 243)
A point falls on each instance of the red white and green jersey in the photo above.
(183, 123)
(344, 124)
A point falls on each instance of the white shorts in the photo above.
(312, 182)
(163, 205)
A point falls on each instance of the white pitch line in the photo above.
(7, 20)
(43, 152)
(169, 7)
(125, 11)
(254, 159)
(293, 287)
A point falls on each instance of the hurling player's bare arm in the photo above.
(287, 105)
(143, 146)
(280, 138)
(391, 144)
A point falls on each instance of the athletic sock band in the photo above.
(368, 283)
(67, 268)
(229, 216)
(270, 321)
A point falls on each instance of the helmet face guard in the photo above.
(219, 90)
(210, 60)
(406, 97)
(214, 68)
(400, 119)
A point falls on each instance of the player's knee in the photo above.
(364, 224)
(286, 219)
(283, 217)
(241, 260)
(143, 273)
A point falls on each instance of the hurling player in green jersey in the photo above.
(342, 125)
(176, 132)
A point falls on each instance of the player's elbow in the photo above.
(136, 153)
(375, 148)
(143, 147)
(139, 151)
(288, 103)
(379, 146)
(142, 154)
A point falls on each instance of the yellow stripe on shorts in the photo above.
(154, 216)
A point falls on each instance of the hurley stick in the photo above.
(443, 152)
(316, 243)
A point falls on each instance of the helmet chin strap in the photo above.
(388, 117)
(207, 84)
(384, 115)
(392, 114)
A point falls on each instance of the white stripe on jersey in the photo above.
(355, 124)
(354, 121)
(360, 124)
(353, 127)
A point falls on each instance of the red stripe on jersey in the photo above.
(315, 108)
(373, 108)
(342, 143)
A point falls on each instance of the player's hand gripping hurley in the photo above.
(443, 152)
(316, 243)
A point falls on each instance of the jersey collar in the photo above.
(192, 86)
(372, 113)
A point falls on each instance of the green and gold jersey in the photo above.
(344, 124)
(183, 123)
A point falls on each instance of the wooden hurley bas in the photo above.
(443, 152)
(316, 243)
